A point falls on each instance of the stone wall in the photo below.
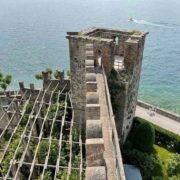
(161, 111)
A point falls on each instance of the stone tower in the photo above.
(121, 54)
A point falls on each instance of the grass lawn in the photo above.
(164, 156)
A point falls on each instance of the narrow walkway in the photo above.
(109, 155)
(159, 120)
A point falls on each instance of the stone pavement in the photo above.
(109, 154)
(159, 120)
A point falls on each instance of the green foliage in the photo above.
(28, 108)
(68, 73)
(7, 134)
(49, 70)
(39, 76)
(74, 175)
(113, 74)
(1, 76)
(56, 75)
(5, 80)
(163, 137)
(3, 85)
(177, 147)
(174, 165)
(64, 159)
(10, 153)
(42, 150)
(136, 32)
(76, 160)
(62, 175)
(48, 175)
(144, 137)
(52, 111)
(75, 134)
(147, 163)
(53, 153)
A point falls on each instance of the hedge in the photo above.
(163, 137)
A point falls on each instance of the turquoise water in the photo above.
(32, 37)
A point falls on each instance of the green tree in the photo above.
(144, 137)
(39, 76)
(5, 80)
(49, 70)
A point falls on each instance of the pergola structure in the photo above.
(38, 136)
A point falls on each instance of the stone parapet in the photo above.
(94, 152)
(91, 84)
(96, 173)
(93, 129)
(163, 112)
(92, 111)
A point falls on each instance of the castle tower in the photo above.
(121, 54)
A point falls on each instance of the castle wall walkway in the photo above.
(158, 119)
(109, 155)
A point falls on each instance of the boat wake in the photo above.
(143, 22)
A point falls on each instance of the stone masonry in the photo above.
(121, 51)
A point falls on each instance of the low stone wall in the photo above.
(163, 112)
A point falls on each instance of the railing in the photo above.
(115, 139)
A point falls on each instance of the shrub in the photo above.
(39, 76)
(113, 74)
(49, 70)
(162, 137)
(28, 108)
(56, 75)
(42, 151)
(145, 162)
(136, 32)
(174, 165)
(5, 80)
(8, 79)
(144, 137)
(177, 147)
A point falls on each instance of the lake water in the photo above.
(32, 37)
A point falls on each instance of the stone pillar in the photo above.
(131, 53)
(21, 86)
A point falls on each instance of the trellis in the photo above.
(41, 101)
